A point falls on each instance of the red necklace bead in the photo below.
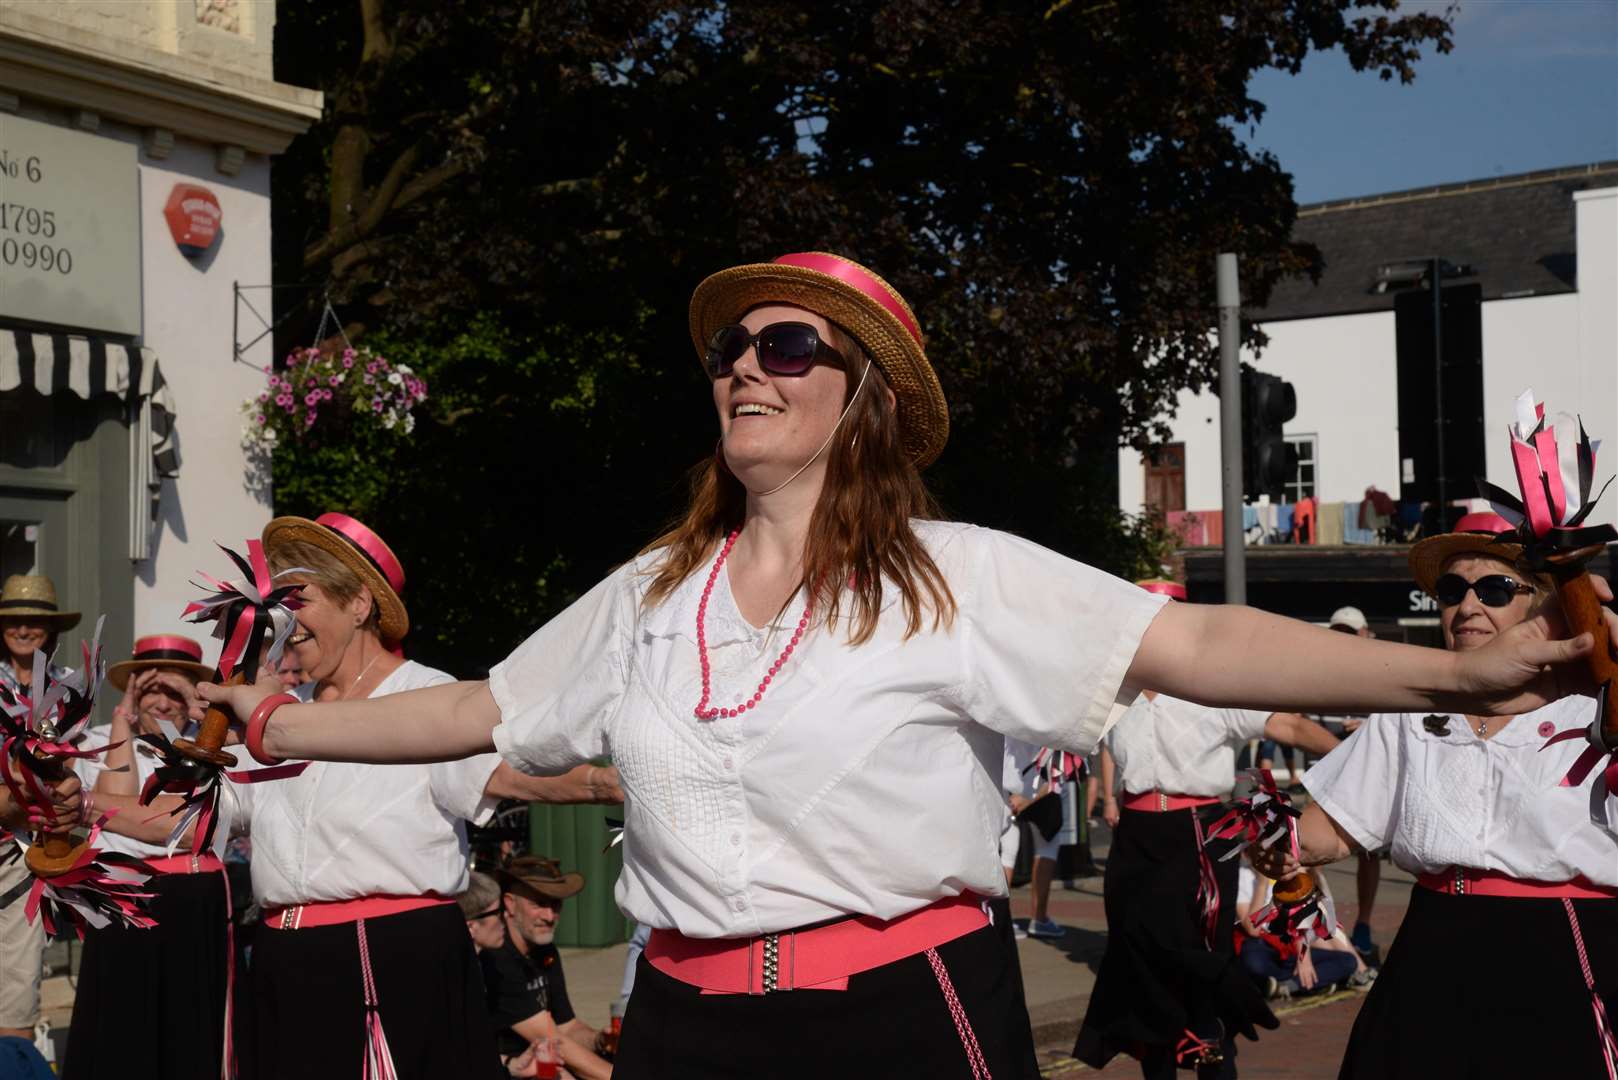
(703, 711)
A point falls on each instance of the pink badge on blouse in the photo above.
(1546, 729)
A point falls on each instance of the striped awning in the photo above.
(88, 367)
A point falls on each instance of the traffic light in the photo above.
(1268, 461)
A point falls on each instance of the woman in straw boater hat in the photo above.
(362, 956)
(1170, 991)
(153, 1002)
(30, 620)
(805, 683)
(1473, 804)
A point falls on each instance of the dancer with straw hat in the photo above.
(805, 684)
(362, 953)
(1475, 806)
(156, 1001)
(30, 620)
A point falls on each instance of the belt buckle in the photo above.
(289, 917)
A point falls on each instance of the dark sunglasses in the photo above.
(1496, 590)
(784, 348)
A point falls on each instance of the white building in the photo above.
(1542, 254)
(120, 455)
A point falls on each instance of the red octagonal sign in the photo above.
(194, 218)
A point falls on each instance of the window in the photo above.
(1302, 484)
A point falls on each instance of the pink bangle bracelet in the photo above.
(259, 721)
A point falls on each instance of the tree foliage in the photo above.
(524, 194)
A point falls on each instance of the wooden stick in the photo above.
(1581, 607)
(211, 736)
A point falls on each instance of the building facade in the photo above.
(135, 147)
(1530, 300)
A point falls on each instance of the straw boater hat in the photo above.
(858, 301)
(169, 651)
(1475, 534)
(359, 549)
(35, 595)
(533, 874)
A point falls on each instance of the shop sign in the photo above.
(194, 218)
(69, 228)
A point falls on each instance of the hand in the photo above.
(1109, 811)
(1306, 969)
(521, 1064)
(1274, 862)
(239, 700)
(63, 812)
(1351, 725)
(128, 710)
(1532, 663)
(1018, 803)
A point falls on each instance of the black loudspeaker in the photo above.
(1462, 375)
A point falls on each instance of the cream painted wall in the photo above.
(188, 310)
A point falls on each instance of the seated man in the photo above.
(527, 990)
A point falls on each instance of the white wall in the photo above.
(1345, 371)
(188, 311)
(1345, 375)
(1598, 331)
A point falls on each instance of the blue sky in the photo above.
(1531, 84)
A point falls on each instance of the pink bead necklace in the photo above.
(703, 711)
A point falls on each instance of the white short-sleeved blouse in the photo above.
(868, 779)
(1447, 799)
(339, 830)
(1179, 747)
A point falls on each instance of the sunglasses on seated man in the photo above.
(1496, 590)
(784, 348)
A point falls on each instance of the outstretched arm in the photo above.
(1239, 656)
(436, 723)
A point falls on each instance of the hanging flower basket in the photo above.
(327, 395)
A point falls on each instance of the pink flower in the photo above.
(311, 397)
(332, 380)
(284, 400)
(260, 419)
(376, 404)
(348, 358)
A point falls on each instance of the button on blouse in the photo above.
(868, 778)
(1439, 796)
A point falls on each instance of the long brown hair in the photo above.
(859, 532)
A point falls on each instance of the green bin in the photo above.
(574, 837)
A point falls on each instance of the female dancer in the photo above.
(1510, 945)
(154, 1002)
(805, 684)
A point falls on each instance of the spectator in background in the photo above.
(526, 986)
(482, 910)
(1368, 874)
(29, 623)
(291, 671)
(1281, 968)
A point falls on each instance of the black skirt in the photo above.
(1485, 987)
(151, 1003)
(308, 997)
(891, 1021)
(1158, 977)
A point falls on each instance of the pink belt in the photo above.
(821, 958)
(1156, 802)
(1465, 881)
(183, 864)
(335, 912)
